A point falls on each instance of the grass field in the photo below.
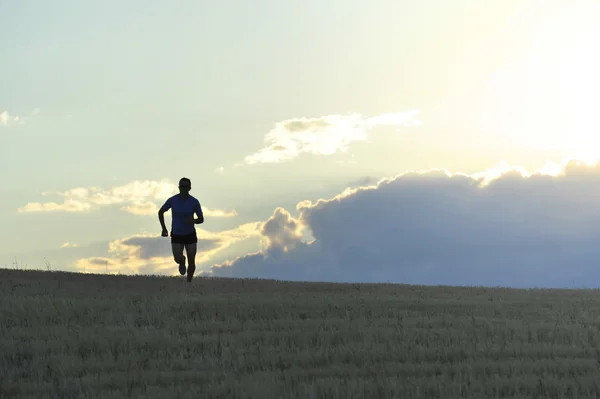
(66, 335)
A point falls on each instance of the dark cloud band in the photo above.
(432, 228)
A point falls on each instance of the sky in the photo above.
(429, 142)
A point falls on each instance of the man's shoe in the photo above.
(182, 267)
(190, 273)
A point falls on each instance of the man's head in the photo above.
(185, 185)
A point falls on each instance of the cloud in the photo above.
(136, 197)
(363, 181)
(82, 199)
(503, 227)
(66, 206)
(8, 119)
(69, 245)
(151, 254)
(141, 208)
(150, 208)
(100, 262)
(281, 232)
(324, 135)
(148, 247)
(216, 213)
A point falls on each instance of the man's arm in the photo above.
(161, 214)
(161, 218)
(198, 211)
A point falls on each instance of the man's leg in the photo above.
(191, 249)
(179, 257)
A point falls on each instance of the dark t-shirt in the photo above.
(182, 209)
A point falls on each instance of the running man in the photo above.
(183, 232)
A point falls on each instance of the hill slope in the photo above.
(78, 335)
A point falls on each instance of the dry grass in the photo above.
(67, 335)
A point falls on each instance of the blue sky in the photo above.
(265, 105)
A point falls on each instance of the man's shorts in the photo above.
(184, 239)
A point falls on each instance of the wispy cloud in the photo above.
(83, 199)
(325, 135)
(141, 208)
(137, 197)
(69, 245)
(216, 213)
(151, 208)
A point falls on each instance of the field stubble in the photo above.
(68, 335)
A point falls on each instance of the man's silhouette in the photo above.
(183, 232)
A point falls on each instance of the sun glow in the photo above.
(545, 95)
(570, 56)
(580, 94)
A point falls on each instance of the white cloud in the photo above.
(324, 135)
(504, 227)
(137, 198)
(4, 118)
(281, 232)
(7, 119)
(85, 198)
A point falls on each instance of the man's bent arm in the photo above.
(161, 218)
(200, 218)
